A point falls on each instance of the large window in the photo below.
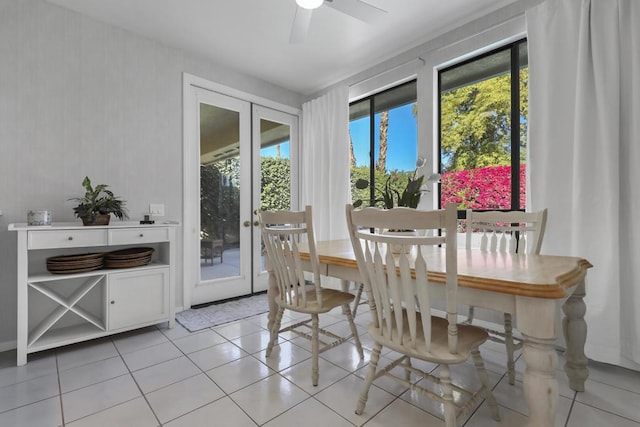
(483, 130)
(383, 133)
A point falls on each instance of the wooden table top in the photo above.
(540, 276)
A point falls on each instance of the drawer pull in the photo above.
(141, 235)
(70, 237)
(113, 302)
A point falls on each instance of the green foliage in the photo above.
(276, 183)
(476, 123)
(220, 192)
(394, 191)
(98, 201)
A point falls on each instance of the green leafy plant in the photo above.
(98, 201)
(392, 197)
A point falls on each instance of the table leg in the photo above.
(540, 383)
(575, 334)
(536, 320)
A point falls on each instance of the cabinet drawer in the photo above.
(138, 235)
(66, 238)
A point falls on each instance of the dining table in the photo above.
(533, 288)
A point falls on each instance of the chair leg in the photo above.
(407, 372)
(484, 379)
(356, 302)
(275, 329)
(508, 340)
(315, 349)
(470, 314)
(447, 396)
(354, 331)
(371, 374)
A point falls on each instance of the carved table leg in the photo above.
(575, 334)
(536, 319)
(540, 384)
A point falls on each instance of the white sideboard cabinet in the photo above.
(60, 309)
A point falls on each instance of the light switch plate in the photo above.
(156, 209)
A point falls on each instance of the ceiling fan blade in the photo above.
(358, 9)
(300, 26)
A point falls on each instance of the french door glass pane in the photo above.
(219, 192)
(275, 167)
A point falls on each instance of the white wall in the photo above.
(79, 97)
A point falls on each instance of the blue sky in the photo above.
(403, 137)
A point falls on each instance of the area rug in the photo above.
(196, 319)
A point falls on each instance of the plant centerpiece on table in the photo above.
(410, 195)
(98, 204)
(392, 197)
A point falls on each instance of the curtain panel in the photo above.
(584, 156)
(325, 162)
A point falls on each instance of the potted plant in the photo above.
(98, 204)
(410, 195)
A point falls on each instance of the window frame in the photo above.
(514, 69)
(372, 128)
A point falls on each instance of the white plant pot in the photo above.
(396, 249)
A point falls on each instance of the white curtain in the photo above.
(325, 162)
(584, 156)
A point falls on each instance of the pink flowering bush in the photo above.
(483, 188)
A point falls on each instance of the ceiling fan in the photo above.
(354, 8)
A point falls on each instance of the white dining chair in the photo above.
(505, 231)
(282, 232)
(402, 301)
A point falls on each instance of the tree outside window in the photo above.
(483, 128)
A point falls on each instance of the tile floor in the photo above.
(170, 377)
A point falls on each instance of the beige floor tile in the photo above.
(238, 374)
(300, 374)
(84, 353)
(183, 397)
(89, 400)
(224, 411)
(150, 356)
(268, 398)
(16, 395)
(45, 413)
(217, 355)
(166, 373)
(92, 373)
(309, 413)
(198, 341)
(138, 339)
(343, 396)
(135, 412)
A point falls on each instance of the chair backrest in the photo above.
(282, 233)
(511, 231)
(390, 276)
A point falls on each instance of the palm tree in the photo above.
(381, 165)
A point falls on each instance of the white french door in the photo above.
(221, 241)
(275, 171)
(229, 143)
